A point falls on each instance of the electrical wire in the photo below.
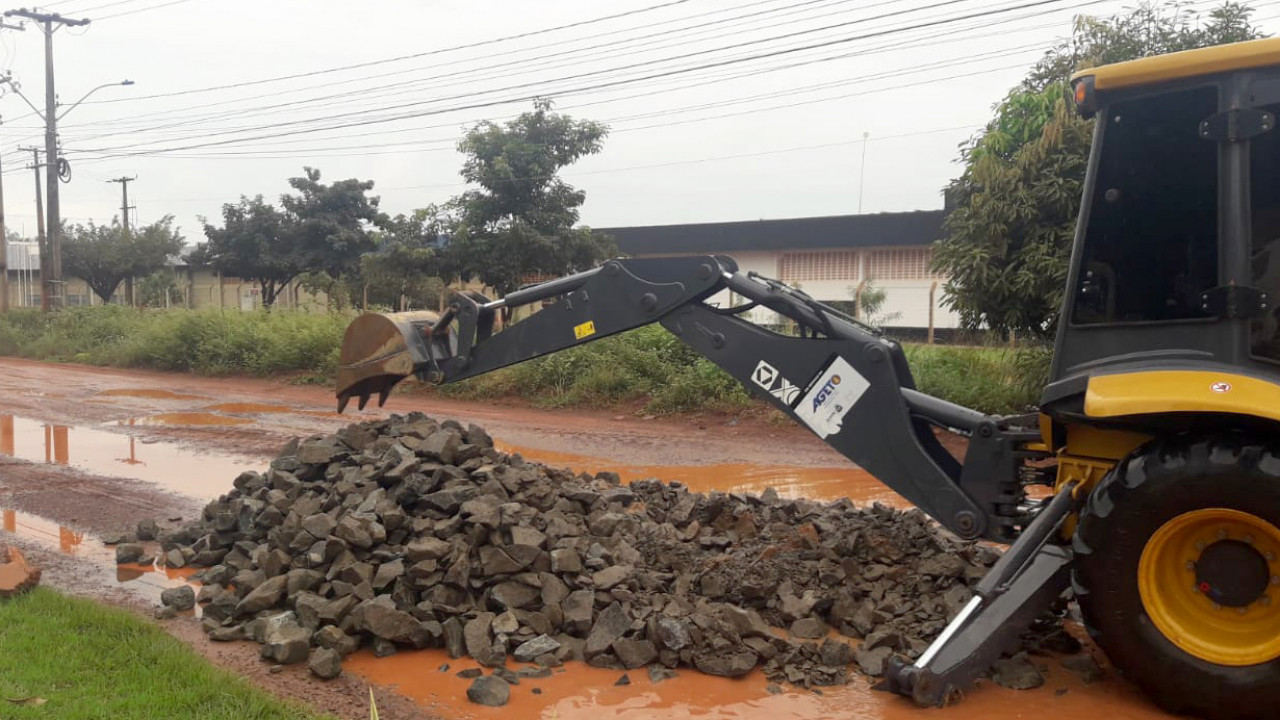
(357, 120)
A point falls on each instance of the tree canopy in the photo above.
(105, 255)
(519, 223)
(320, 229)
(1012, 212)
(409, 265)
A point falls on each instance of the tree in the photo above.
(519, 224)
(409, 266)
(1011, 214)
(105, 255)
(158, 288)
(322, 229)
(256, 242)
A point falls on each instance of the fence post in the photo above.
(932, 290)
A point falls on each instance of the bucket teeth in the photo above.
(378, 351)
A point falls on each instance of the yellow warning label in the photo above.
(585, 330)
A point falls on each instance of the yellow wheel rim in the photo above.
(1199, 578)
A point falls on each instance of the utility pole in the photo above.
(4, 256)
(124, 202)
(49, 23)
(124, 217)
(41, 241)
(4, 238)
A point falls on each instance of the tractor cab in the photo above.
(1176, 263)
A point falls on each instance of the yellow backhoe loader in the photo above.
(1158, 434)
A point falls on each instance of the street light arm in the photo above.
(8, 80)
(84, 97)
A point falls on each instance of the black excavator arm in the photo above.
(839, 377)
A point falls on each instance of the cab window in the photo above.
(1151, 240)
(1264, 193)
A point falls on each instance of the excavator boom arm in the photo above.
(839, 378)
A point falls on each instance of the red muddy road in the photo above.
(84, 451)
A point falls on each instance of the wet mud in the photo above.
(580, 692)
(791, 482)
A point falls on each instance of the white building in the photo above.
(829, 258)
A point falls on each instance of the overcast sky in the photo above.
(719, 109)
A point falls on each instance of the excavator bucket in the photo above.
(379, 350)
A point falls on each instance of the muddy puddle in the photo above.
(192, 419)
(144, 581)
(819, 483)
(581, 692)
(150, 394)
(203, 475)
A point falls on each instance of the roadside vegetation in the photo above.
(76, 660)
(647, 367)
(205, 342)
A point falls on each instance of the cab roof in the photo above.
(1187, 64)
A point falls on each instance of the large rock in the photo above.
(489, 690)
(180, 598)
(733, 662)
(427, 548)
(264, 596)
(608, 627)
(287, 644)
(380, 618)
(530, 650)
(479, 643)
(634, 653)
(129, 552)
(577, 611)
(1016, 673)
(871, 661)
(325, 663)
(672, 633)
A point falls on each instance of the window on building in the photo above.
(816, 266)
(900, 264)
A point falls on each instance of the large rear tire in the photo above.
(1177, 573)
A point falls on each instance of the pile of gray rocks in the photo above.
(410, 532)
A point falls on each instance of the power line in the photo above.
(371, 63)
(145, 9)
(468, 74)
(465, 75)
(580, 89)
(736, 74)
(449, 141)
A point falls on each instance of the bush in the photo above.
(647, 364)
(991, 380)
(207, 342)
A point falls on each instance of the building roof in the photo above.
(921, 227)
(1186, 64)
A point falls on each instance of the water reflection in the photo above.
(145, 580)
(203, 475)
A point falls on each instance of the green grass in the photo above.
(648, 365)
(988, 379)
(206, 342)
(91, 662)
